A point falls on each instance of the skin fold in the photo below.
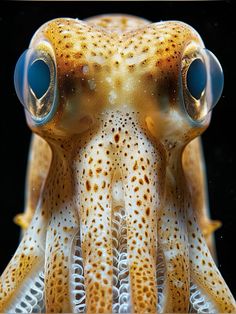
(116, 216)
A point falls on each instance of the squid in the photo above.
(116, 217)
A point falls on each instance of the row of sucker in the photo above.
(199, 302)
(121, 285)
(160, 275)
(115, 236)
(31, 299)
(77, 278)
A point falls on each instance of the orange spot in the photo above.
(135, 166)
(98, 170)
(133, 179)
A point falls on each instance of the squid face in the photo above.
(117, 225)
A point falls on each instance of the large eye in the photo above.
(203, 82)
(36, 84)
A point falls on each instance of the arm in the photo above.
(194, 169)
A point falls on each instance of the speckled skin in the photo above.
(120, 138)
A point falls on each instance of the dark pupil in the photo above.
(39, 77)
(196, 78)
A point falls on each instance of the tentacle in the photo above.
(140, 174)
(62, 228)
(38, 166)
(194, 170)
(61, 232)
(173, 237)
(26, 264)
(204, 271)
(96, 236)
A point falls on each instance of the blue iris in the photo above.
(196, 78)
(39, 77)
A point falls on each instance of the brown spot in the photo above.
(95, 187)
(101, 207)
(146, 179)
(88, 186)
(116, 138)
(147, 211)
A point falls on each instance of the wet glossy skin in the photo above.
(116, 189)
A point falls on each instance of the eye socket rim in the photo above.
(26, 94)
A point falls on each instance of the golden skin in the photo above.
(118, 197)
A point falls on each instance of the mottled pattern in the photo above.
(116, 215)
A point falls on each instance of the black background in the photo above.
(215, 23)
